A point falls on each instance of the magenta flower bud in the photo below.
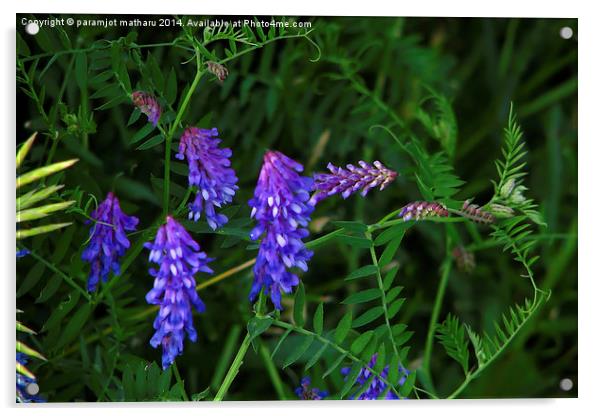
(148, 105)
(420, 210)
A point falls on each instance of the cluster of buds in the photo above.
(220, 71)
(465, 260)
(419, 210)
(476, 213)
(512, 192)
(346, 181)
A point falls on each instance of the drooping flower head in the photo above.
(148, 105)
(282, 211)
(179, 257)
(108, 240)
(209, 170)
(465, 259)
(377, 386)
(352, 179)
(420, 210)
(306, 392)
(27, 390)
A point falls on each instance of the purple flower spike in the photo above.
(108, 241)
(420, 210)
(350, 180)
(179, 257)
(282, 210)
(378, 386)
(306, 392)
(209, 170)
(147, 104)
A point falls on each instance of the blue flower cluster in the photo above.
(377, 386)
(209, 170)
(108, 240)
(306, 392)
(179, 258)
(281, 208)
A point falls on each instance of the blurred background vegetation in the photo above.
(315, 112)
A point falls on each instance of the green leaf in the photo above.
(280, 342)
(298, 351)
(81, 70)
(43, 211)
(171, 87)
(335, 364)
(152, 142)
(390, 251)
(31, 279)
(407, 386)
(57, 315)
(75, 324)
(258, 325)
(43, 172)
(452, 336)
(351, 379)
(359, 242)
(395, 307)
(361, 342)
(393, 293)
(298, 310)
(390, 277)
(24, 149)
(368, 316)
(343, 328)
(362, 272)
(363, 296)
(142, 133)
(42, 229)
(353, 226)
(319, 319)
(34, 197)
(390, 233)
(314, 359)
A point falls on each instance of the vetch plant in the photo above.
(311, 299)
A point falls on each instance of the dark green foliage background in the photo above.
(277, 98)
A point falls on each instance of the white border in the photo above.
(590, 151)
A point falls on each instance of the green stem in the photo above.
(174, 126)
(272, 371)
(383, 298)
(180, 382)
(233, 371)
(428, 349)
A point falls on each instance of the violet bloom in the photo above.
(377, 386)
(25, 394)
(352, 179)
(282, 211)
(108, 240)
(179, 257)
(306, 392)
(147, 104)
(209, 170)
